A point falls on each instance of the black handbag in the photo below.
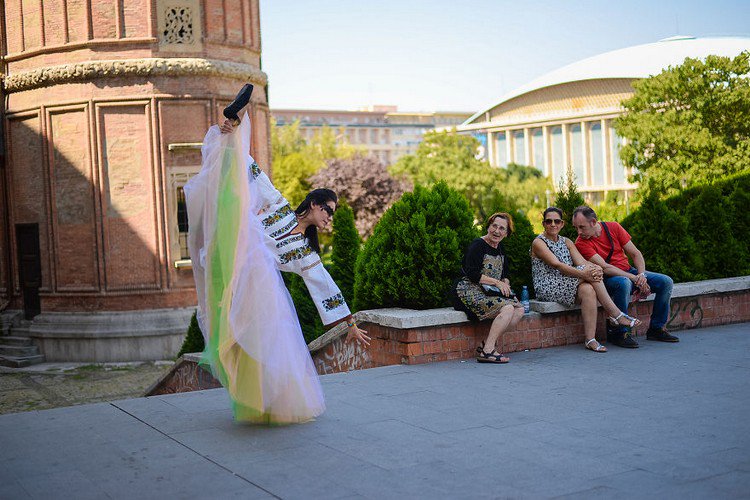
(492, 291)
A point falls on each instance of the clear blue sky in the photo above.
(427, 55)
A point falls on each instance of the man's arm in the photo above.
(638, 261)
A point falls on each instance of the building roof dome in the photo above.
(639, 61)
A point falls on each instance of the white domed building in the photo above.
(564, 118)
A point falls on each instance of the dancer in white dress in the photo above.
(241, 233)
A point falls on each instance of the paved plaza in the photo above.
(51, 385)
(662, 421)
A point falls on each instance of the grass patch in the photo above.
(89, 368)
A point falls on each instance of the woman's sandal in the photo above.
(491, 357)
(598, 348)
(631, 321)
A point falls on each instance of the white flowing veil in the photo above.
(254, 343)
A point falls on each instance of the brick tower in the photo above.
(105, 103)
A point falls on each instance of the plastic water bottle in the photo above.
(525, 299)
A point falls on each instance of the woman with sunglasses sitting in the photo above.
(561, 274)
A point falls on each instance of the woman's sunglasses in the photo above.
(327, 209)
(556, 222)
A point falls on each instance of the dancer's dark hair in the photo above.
(319, 197)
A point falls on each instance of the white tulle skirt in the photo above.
(254, 344)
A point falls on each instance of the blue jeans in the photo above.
(620, 287)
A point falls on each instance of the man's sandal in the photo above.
(631, 321)
(598, 348)
(492, 357)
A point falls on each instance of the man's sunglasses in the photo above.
(327, 209)
(553, 221)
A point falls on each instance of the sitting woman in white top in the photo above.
(241, 233)
(561, 274)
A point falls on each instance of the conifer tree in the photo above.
(415, 251)
(568, 199)
(676, 256)
(707, 216)
(194, 339)
(346, 244)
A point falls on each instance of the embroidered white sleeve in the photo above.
(268, 193)
(326, 294)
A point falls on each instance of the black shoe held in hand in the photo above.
(239, 102)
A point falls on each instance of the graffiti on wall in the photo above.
(685, 313)
(341, 356)
(185, 377)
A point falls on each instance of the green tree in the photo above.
(291, 173)
(346, 244)
(307, 314)
(295, 160)
(365, 183)
(194, 339)
(613, 207)
(567, 199)
(517, 248)
(723, 255)
(688, 125)
(451, 157)
(525, 188)
(415, 251)
(739, 201)
(523, 172)
(676, 255)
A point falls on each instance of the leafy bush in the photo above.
(415, 250)
(694, 235)
(309, 320)
(613, 207)
(664, 238)
(346, 243)
(194, 339)
(722, 254)
(739, 200)
(517, 248)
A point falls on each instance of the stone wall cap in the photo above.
(706, 287)
(679, 290)
(401, 318)
(411, 318)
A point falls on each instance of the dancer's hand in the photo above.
(226, 127)
(357, 333)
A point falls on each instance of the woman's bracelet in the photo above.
(350, 323)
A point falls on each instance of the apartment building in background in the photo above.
(382, 131)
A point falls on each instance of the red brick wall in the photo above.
(88, 160)
(73, 200)
(392, 346)
(129, 226)
(27, 186)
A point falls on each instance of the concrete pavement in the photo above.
(662, 421)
